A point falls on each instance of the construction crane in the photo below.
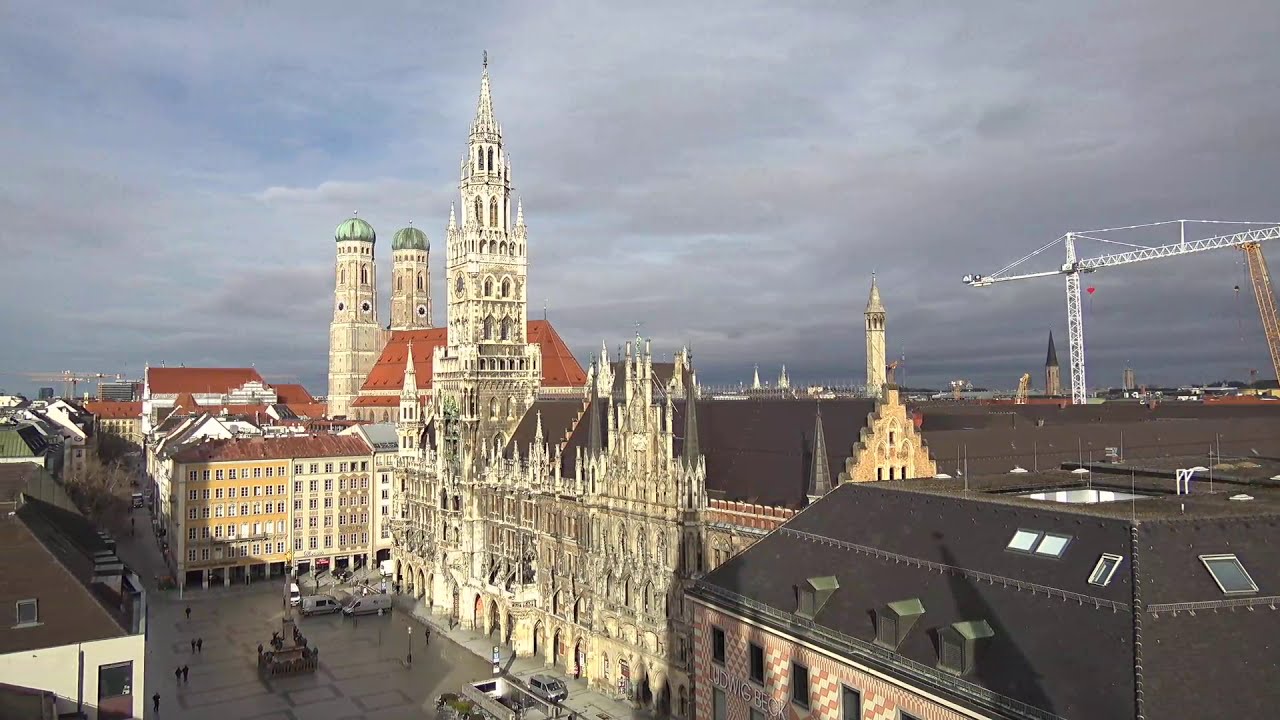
(1260, 278)
(1024, 384)
(70, 380)
(1074, 267)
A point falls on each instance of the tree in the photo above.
(103, 491)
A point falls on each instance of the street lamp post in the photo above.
(408, 660)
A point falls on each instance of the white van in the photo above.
(295, 595)
(368, 604)
(320, 605)
(387, 568)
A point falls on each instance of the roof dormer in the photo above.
(895, 620)
(813, 594)
(957, 645)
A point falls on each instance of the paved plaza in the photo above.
(362, 670)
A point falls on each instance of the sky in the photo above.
(723, 175)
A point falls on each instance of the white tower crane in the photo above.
(1075, 266)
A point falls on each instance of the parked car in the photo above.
(320, 605)
(548, 688)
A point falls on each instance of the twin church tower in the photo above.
(486, 273)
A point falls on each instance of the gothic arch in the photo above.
(489, 163)
(498, 445)
(364, 274)
(626, 593)
(480, 159)
(506, 328)
(479, 211)
(399, 282)
(484, 246)
(493, 210)
(422, 280)
(511, 407)
(342, 276)
(488, 287)
(506, 287)
(502, 248)
(493, 408)
(488, 328)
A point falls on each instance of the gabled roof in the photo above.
(559, 368)
(292, 393)
(167, 380)
(761, 450)
(114, 409)
(274, 448)
(309, 410)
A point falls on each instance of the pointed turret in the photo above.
(784, 382)
(520, 212)
(820, 474)
(594, 445)
(691, 451)
(873, 300)
(453, 218)
(410, 376)
(485, 124)
(755, 378)
(1051, 360)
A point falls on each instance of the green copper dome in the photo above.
(410, 238)
(355, 230)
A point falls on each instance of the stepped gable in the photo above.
(761, 450)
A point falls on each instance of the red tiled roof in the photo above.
(377, 401)
(167, 380)
(292, 394)
(114, 409)
(279, 448)
(185, 401)
(310, 409)
(559, 367)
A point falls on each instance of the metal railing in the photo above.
(861, 649)
(971, 574)
(1271, 601)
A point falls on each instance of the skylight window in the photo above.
(1039, 543)
(1053, 545)
(1106, 567)
(1024, 540)
(1230, 575)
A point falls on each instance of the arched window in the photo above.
(511, 249)
(488, 328)
(626, 593)
(497, 444)
(342, 276)
(506, 287)
(479, 212)
(484, 246)
(364, 274)
(506, 328)
(502, 248)
(421, 280)
(493, 408)
(490, 163)
(399, 283)
(511, 408)
(493, 212)
(488, 287)
(480, 158)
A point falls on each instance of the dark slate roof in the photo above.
(760, 450)
(559, 419)
(1060, 644)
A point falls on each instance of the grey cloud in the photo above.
(728, 174)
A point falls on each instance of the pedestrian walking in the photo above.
(427, 635)
(177, 674)
(185, 670)
(193, 646)
(199, 645)
(188, 612)
(155, 702)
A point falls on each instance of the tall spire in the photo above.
(594, 445)
(691, 451)
(873, 300)
(755, 378)
(820, 474)
(485, 122)
(520, 211)
(410, 376)
(1051, 360)
(453, 218)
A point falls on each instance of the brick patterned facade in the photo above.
(751, 515)
(881, 700)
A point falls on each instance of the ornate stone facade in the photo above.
(875, 326)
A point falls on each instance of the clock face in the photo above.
(342, 306)
(422, 311)
(365, 307)
(459, 286)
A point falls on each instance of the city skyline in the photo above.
(726, 184)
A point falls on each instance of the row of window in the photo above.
(229, 510)
(246, 550)
(234, 473)
(343, 484)
(314, 541)
(246, 530)
(314, 522)
(314, 468)
(245, 491)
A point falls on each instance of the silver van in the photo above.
(548, 688)
(295, 595)
(320, 605)
(365, 604)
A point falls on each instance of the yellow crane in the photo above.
(70, 380)
(1024, 384)
(1260, 278)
